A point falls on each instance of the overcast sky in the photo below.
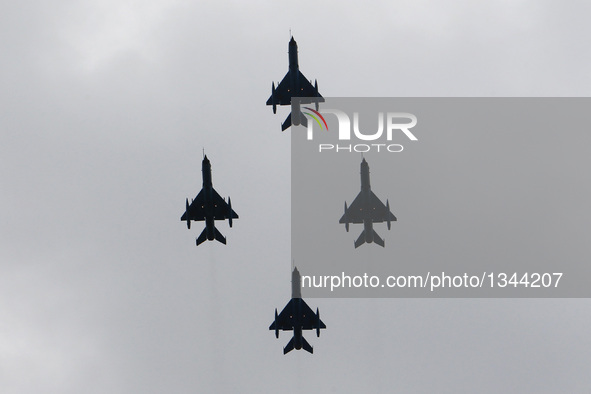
(106, 108)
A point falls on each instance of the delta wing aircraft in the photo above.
(208, 206)
(292, 90)
(297, 316)
(367, 209)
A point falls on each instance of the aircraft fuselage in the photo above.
(366, 195)
(294, 68)
(296, 295)
(208, 204)
(297, 323)
(206, 174)
(294, 77)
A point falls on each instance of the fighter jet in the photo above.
(208, 206)
(297, 316)
(294, 84)
(367, 209)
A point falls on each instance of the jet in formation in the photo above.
(294, 90)
(208, 206)
(367, 209)
(297, 316)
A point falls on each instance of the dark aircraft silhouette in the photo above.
(208, 206)
(297, 316)
(294, 84)
(367, 209)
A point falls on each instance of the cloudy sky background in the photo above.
(106, 109)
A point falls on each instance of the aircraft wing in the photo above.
(197, 208)
(220, 208)
(285, 320)
(307, 90)
(354, 213)
(309, 318)
(196, 211)
(282, 92)
(379, 212)
(376, 210)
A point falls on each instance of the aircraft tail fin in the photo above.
(361, 240)
(219, 237)
(377, 239)
(202, 237)
(307, 346)
(287, 123)
(289, 346)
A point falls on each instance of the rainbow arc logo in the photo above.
(315, 116)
